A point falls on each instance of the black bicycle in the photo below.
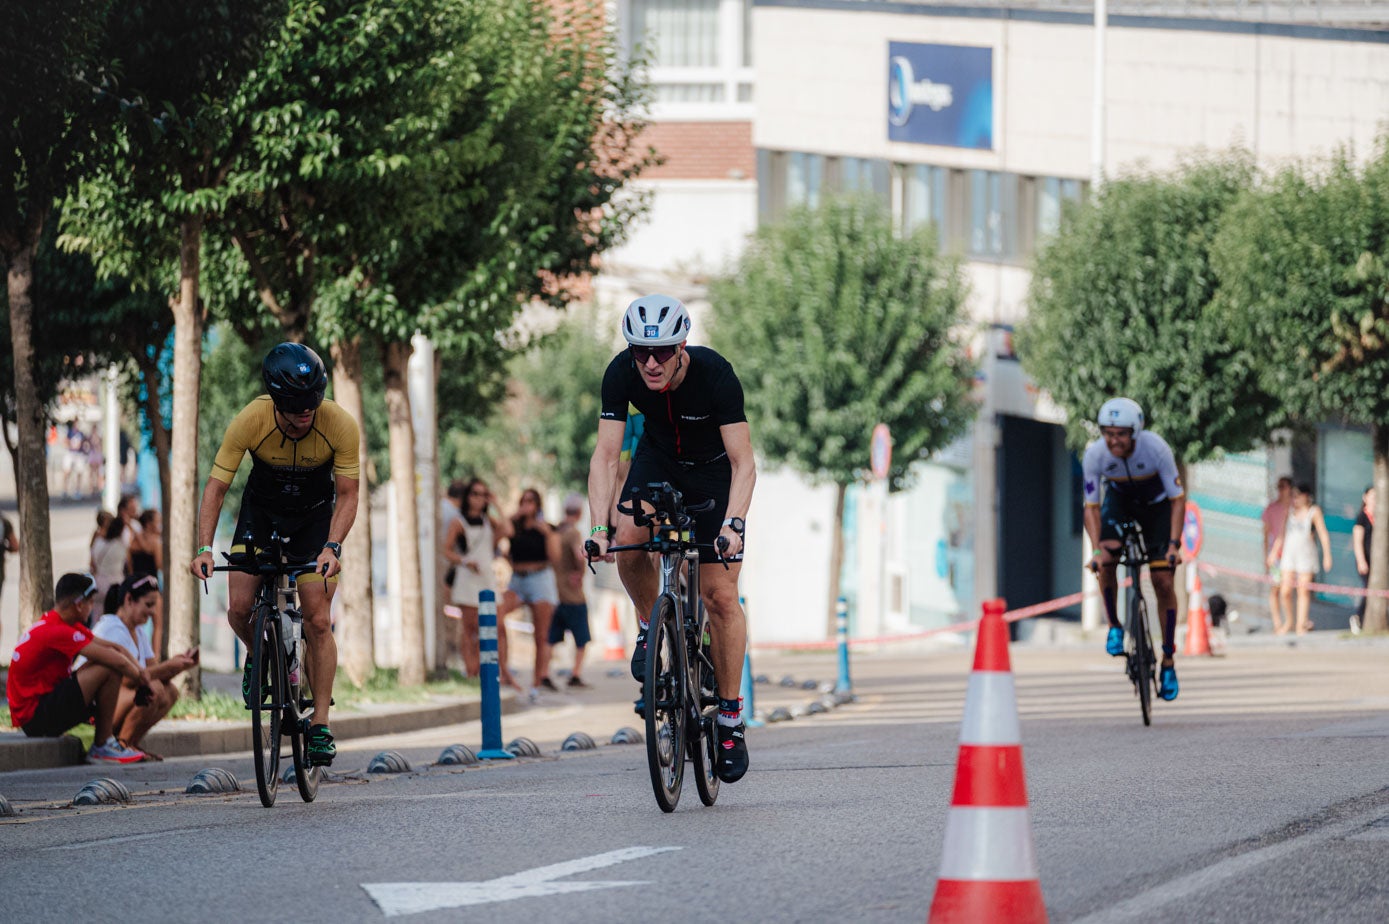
(283, 707)
(680, 694)
(1138, 644)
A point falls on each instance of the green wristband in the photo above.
(206, 548)
(597, 529)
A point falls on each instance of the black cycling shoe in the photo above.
(733, 753)
(639, 656)
(321, 749)
(639, 707)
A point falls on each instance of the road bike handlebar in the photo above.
(668, 504)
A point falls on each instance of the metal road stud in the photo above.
(6, 809)
(388, 762)
(578, 741)
(988, 863)
(523, 747)
(214, 780)
(457, 754)
(780, 714)
(626, 735)
(102, 791)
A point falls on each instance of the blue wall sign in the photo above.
(940, 94)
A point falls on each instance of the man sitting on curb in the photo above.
(129, 605)
(47, 698)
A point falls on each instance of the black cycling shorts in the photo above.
(60, 709)
(1155, 520)
(697, 482)
(307, 533)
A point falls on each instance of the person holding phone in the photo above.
(139, 706)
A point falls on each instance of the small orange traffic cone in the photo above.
(1198, 639)
(988, 868)
(614, 650)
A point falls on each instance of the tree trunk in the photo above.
(31, 473)
(836, 559)
(154, 413)
(1377, 608)
(395, 357)
(356, 635)
(182, 515)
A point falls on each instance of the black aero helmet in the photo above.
(294, 378)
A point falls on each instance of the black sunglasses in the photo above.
(662, 353)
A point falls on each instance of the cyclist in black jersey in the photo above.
(305, 473)
(697, 438)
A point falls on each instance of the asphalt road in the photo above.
(1260, 795)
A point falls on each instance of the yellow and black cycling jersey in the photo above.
(288, 475)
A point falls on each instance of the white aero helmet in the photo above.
(1121, 412)
(656, 320)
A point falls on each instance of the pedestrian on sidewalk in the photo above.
(1360, 535)
(572, 613)
(532, 552)
(1274, 518)
(47, 698)
(1296, 554)
(470, 545)
(129, 605)
(109, 554)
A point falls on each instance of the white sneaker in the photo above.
(115, 752)
(1354, 624)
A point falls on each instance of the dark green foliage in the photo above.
(834, 323)
(1119, 305)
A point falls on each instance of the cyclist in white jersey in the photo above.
(1140, 481)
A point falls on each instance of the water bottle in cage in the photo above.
(292, 626)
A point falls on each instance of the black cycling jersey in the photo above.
(682, 423)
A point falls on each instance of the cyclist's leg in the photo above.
(1156, 522)
(315, 602)
(727, 625)
(638, 572)
(1111, 512)
(252, 528)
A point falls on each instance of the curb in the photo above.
(18, 752)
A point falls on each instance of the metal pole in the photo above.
(841, 620)
(1097, 111)
(488, 675)
(111, 437)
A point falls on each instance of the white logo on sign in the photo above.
(398, 898)
(904, 92)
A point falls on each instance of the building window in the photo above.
(922, 197)
(805, 178)
(698, 52)
(862, 176)
(992, 209)
(1052, 194)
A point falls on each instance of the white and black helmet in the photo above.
(1121, 412)
(656, 320)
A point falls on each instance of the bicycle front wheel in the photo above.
(704, 739)
(1144, 661)
(306, 776)
(267, 669)
(667, 708)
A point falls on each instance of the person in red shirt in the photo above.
(46, 697)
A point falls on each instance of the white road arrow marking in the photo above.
(399, 898)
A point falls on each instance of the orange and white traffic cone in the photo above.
(614, 651)
(1198, 639)
(988, 869)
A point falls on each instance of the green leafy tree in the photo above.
(1303, 264)
(835, 323)
(1118, 307)
(51, 73)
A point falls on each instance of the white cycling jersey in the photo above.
(1147, 476)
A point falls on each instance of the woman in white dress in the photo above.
(1295, 553)
(109, 553)
(470, 547)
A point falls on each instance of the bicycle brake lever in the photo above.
(590, 549)
(719, 545)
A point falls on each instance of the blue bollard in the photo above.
(745, 688)
(841, 619)
(490, 677)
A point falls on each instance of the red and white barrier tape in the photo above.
(1335, 589)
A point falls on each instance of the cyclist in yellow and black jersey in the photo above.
(305, 472)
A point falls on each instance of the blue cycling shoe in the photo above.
(1115, 643)
(1168, 688)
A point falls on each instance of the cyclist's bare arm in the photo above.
(344, 515)
(214, 492)
(1174, 552)
(737, 442)
(602, 472)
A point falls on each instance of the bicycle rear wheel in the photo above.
(306, 775)
(1144, 662)
(267, 668)
(666, 707)
(704, 739)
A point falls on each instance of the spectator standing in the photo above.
(146, 556)
(1275, 516)
(129, 605)
(96, 464)
(572, 613)
(47, 698)
(74, 460)
(1360, 535)
(470, 544)
(533, 549)
(1296, 554)
(129, 512)
(109, 553)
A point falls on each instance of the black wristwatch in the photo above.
(334, 547)
(737, 524)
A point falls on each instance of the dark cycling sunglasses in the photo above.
(662, 353)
